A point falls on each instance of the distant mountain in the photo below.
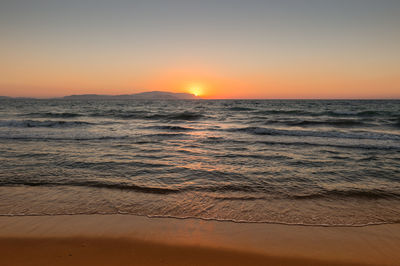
(18, 98)
(151, 95)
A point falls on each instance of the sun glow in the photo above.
(196, 90)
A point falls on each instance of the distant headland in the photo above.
(150, 95)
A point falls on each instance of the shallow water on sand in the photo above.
(295, 162)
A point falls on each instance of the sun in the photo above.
(196, 90)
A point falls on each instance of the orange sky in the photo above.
(209, 82)
(255, 49)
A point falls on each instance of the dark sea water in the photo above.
(276, 161)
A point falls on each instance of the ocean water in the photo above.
(308, 162)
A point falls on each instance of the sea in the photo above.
(303, 162)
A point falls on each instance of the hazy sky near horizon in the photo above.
(226, 48)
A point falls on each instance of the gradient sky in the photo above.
(226, 48)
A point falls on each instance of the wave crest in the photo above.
(308, 133)
(52, 115)
(97, 184)
(46, 123)
(351, 193)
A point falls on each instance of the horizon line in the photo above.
(198, 98)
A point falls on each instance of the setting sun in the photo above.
(196, 90)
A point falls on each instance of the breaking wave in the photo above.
(96, 184)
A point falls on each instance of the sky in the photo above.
(214, 48)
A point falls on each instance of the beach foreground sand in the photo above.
(135, 240)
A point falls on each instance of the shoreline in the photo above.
(190, 241)
(207, 220)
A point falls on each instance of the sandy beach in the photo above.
(135, 240)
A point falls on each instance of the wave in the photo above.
(329, 194)
(186, 115)
(270, 193)
(396, 122)
(237, 108)
(120, 114)
(165, 135)
(283, 112)
(170, 128)
(356, 113)
(110, 165)
(239, 198)
(229, 188)
(52, 115)
(217, 140)
(151, 138)
(351, 193)
(336, 123)
(252, 156)
(344, 146)
(299, 112)
(245, 221)
(323, 134)
(365, 146)
(177, 116)
(61, 138)
(134, 187)
(314, 224)
(95, 184)
(47, 123)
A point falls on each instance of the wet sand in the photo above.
(134, 240)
